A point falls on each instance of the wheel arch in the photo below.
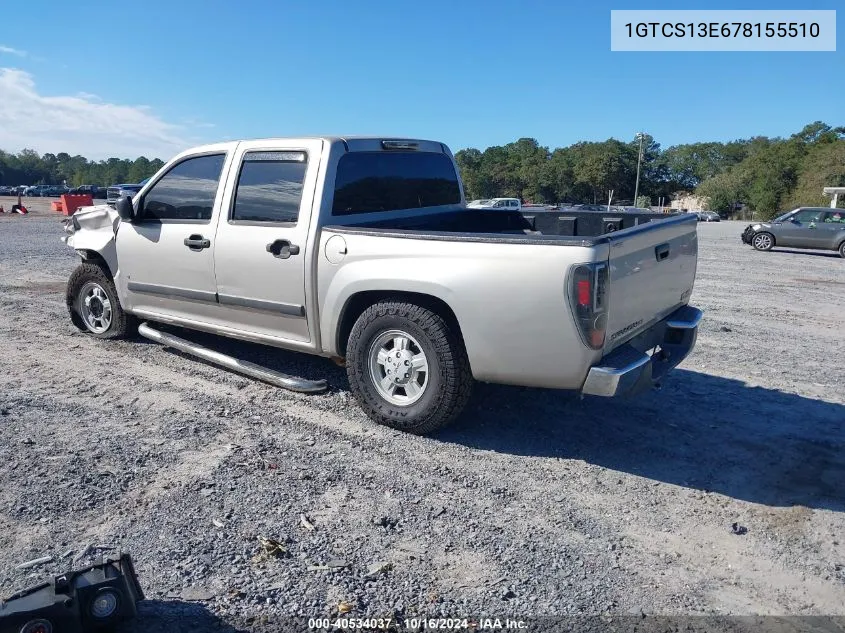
(357, 303)
(90, 256)
(767, 232)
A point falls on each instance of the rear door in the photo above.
(261, 249)
(166, 260)
(652, 271)
(831, 228)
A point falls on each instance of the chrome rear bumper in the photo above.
(629, 369)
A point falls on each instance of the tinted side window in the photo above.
(187, 191)
(368, 182)
(270, 187)
(807, 215)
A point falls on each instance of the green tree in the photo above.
(823, 166)
(642, 202)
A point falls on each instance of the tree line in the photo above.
(28, 167)
(767, 175)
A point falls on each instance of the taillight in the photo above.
(585, 293)
(588, 294)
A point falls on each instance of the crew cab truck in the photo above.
(362, 250)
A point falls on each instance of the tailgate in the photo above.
(651, 273)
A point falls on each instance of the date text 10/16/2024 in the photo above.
(416, 624)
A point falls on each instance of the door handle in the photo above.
(197, 242)
(282, 249)
(661, 252)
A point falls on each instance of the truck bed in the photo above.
(651, 256)
(532, 226)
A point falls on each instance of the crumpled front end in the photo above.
(748, 233)
(91, 226)
(90, 232)
(752, 229)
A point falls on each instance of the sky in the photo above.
(108, 79)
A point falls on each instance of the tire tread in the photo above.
(457, 380)
(123, 325)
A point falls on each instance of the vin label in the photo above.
(728, 30)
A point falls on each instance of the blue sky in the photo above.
(470, 73)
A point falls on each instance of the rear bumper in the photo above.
(629, 369)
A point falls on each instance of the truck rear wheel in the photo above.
(407, 368)
(93, 304)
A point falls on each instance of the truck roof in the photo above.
(352, 142)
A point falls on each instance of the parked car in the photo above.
(504, 204)
(116, 192)
(363, 250)
(8, 191)
(55, 191)
(708, 216)
(93, 190)
(36, 191)
(820, 228)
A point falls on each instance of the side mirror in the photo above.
(125, 209)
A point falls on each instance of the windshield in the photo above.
(783, 217)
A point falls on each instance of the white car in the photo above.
(505, 204)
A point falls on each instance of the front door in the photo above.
(801, 230)
(166, 254)
(261, 249)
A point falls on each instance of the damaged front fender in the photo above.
(92, 230)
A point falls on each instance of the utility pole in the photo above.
(640, 137)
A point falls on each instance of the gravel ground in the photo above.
(534, 503)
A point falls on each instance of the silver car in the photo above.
(708, 216)
(820, 228)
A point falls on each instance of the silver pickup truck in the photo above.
(363, 250)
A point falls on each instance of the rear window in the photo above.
(368, 182)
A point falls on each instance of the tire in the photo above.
(842, 250)
(102, 315)
(763, 241)
(444, 386)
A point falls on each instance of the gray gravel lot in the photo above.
(534, 503)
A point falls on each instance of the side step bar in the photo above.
(293, 383)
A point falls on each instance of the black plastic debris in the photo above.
(738, 529)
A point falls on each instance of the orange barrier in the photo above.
(72, 201)
(56, 206)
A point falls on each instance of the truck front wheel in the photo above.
(407, 368)
(93, 304)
